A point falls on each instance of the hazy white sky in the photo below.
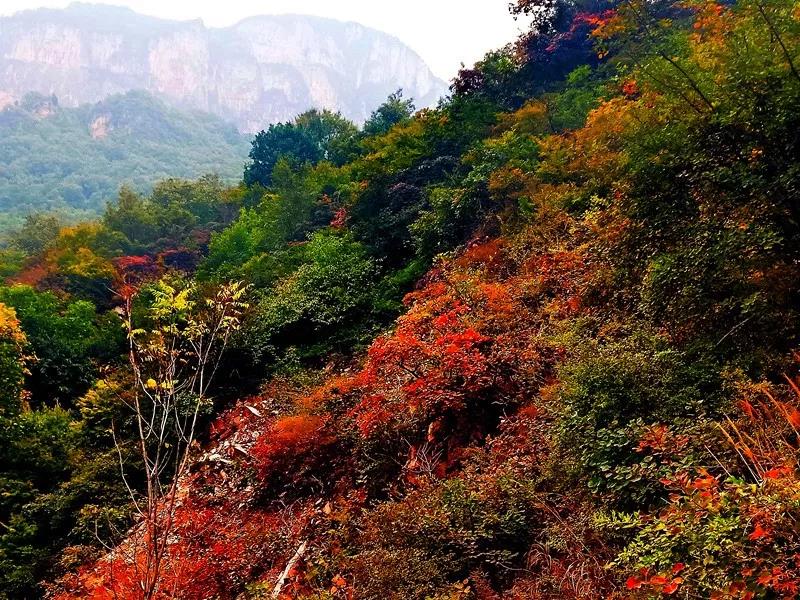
(444, 32)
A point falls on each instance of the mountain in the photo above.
(541, 342)
(74, 159)
(261, 70)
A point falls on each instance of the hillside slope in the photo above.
(538, 343)
(74, 160)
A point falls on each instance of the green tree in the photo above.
(36, 451)
(208, 199)
(312, 137)
(254, 246)
(64, 337)
(395, 110)
(326, 304)
(146, 223)
(37, 233)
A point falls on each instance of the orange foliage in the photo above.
(487, 254)
(292, 448)
(531, 119)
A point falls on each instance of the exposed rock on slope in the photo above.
(262, 70)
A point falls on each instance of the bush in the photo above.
(295, 455)
(731, 530)
(325, 305)
(611, 392)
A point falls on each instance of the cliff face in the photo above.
(262, 70)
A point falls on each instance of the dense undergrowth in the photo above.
(590, 390)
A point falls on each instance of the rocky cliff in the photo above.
(261, 70)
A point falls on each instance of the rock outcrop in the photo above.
(259, 71)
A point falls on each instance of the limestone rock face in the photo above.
(261, 70)
(100, 127)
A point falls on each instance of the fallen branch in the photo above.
(276, 591)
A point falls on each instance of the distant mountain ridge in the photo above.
(261, 70)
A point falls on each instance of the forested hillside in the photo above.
(73, 160)
(540, 342)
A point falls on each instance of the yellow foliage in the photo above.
(10, 326)
(531, 119)
(82, 262)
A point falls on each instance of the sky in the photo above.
(444, 32)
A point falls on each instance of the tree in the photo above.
(12, 361)
(64, 337)
(173, 354)
(38, 232)
(549, 16)
(312, 137)
(261, 242)
(36, 452)
(325, 304)
(395, 110)
(281, 139)
(144, 222)
(207, 199)
(332, 134)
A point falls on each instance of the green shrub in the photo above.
(610, 392)
(324, 305)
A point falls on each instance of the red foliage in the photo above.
(563, 273)
(462, 360)
(659, 440)
(217, 554)
(132, 272)
(136, 266)
(293, 449)
(372, 414)
(630, 88)
(339, 219)
(435, 364)
(33, 275)
(667, 583)
(486, 254)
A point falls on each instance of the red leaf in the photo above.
(747, 409)
(794, 417)
(759, 532)
(633, 583)
(671, 587)
(705, 482)
(777, 473)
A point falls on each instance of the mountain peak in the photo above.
(95, 7)
(261, 70)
